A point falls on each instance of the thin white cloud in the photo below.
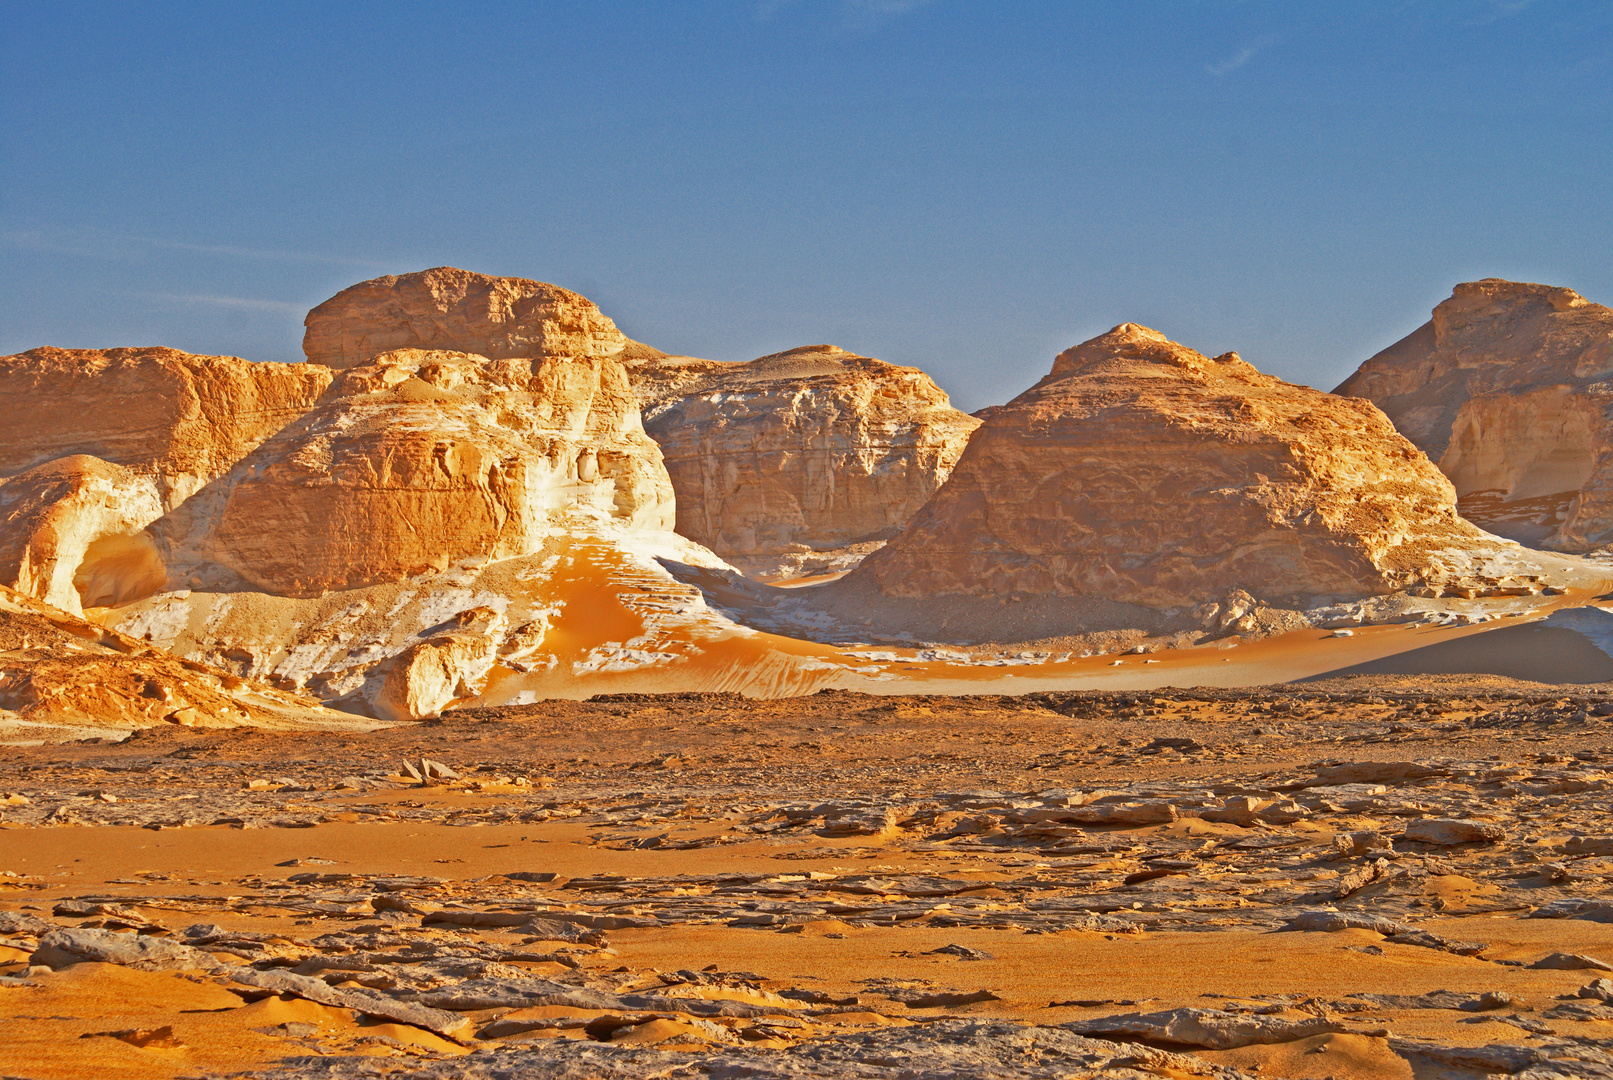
(859, 14)
(96, 243)
(1240, 58)
(238, 303)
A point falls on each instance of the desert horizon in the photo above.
(806, 540)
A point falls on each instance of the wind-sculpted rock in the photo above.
(99, 443)
(1506, 387)
(801, 461)
(419, 461)
(1143, 473)
(449, 309)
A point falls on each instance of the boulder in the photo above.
(1144, 473)
(426, 678)
(801, 461)
(1505, 386)
(456, 310)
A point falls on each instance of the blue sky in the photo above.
(961, 185)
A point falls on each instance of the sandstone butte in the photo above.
(799, 462)
(1507, 387)
(1142, 473)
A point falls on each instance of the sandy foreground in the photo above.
(1368, 876)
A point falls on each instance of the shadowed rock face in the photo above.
(1507, 388)
(1143, 472)
(459, 311)
(800, 461)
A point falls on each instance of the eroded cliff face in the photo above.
(1507, 387)
(419, 461)
(1141, 472)
(802, 461)
(449, 309)
(100, 443)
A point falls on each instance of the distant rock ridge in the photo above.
(1140, 472)
(1507, 387)
(800, 461)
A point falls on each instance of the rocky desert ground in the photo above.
(495, 696)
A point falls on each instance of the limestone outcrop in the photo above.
(420, 461)
(798, 462)
(1507, 387)
(1140, 472)
(71, 533)
(179, 418)
(63, 677)
(458, 311)
(100, 443)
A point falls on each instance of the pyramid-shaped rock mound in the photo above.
(1507, 388)
(801, 461)
(458, 311)
(1144, 473)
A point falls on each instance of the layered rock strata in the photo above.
(456, 310)
(419, 461)
(1140, 472)
(1507, 387)
(100, 443)
(802, 461)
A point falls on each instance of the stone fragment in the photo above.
(370, 1002)
(436, 770)
(1561, 961)
(20, 922)
(1452, 831)
(63, 948)
(1210, 1029)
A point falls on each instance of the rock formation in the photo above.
(99, 443)
(64, 677)
(1507, 388)
(458, 311)
(1144, 473)
(802, 461)
(418, 461)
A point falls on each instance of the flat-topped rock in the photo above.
(460, 311)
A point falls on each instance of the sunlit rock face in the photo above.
(100, 443)
(1142, 472)
(1507, 388)
(802, 461)
(425, 459)
(449, 309)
